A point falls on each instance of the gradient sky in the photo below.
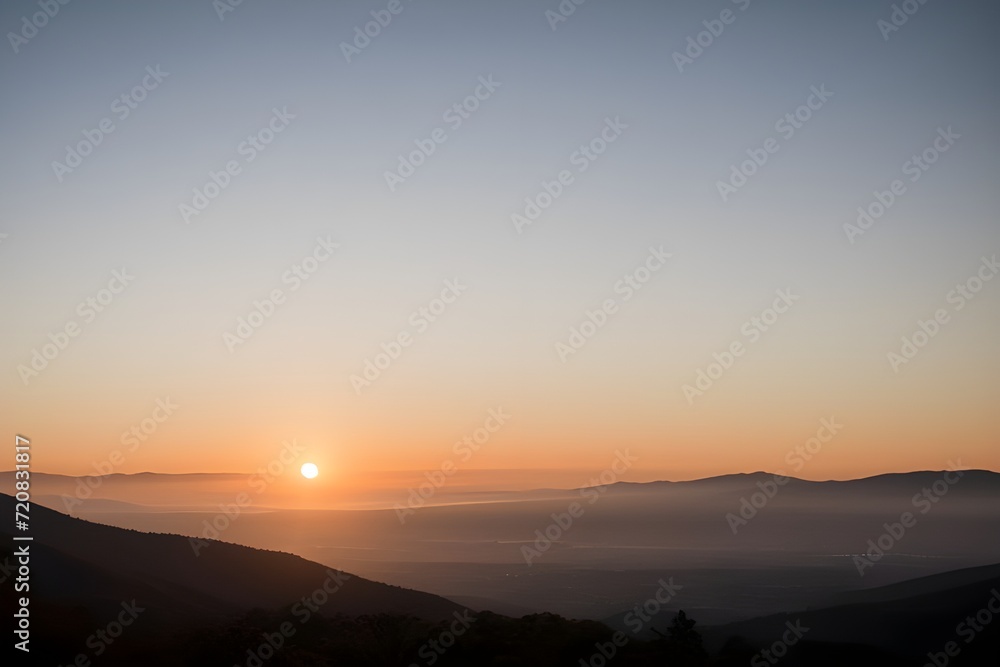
(495, 346)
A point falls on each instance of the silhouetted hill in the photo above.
(225, 577)
(910, 618)
(82, 573)
(935, 583)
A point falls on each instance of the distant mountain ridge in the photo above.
(743, 478)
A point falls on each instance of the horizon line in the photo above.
(562, 470)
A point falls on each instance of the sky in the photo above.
(184, 165)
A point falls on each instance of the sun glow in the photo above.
(309, 470)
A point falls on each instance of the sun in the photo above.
(309, 470)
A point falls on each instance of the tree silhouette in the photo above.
(682, 646)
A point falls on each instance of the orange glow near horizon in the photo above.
(218, 413)
(670, 440)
